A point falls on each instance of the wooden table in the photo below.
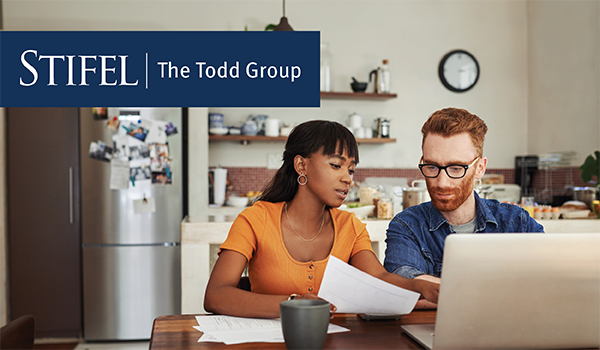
(176, 332)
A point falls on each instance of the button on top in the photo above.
(310, 289)
(310, 277)
(311, 267)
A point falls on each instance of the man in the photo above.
(452, 160)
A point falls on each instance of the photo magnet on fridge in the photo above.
(121, 146)
(139, 170)
(99, 150)
(100, 113)
(163, 177)
(137, 131)
(170, 129)
(113, 124)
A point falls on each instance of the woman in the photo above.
(286, 237)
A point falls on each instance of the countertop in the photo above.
(201, 237)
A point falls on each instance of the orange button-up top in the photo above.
(256, 234)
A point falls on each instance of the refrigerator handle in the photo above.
(71, 195)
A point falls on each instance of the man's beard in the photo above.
(462, 192)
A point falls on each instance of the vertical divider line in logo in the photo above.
(146, 71)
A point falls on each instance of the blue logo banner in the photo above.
(159, 69)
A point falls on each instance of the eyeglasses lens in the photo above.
(455, 172)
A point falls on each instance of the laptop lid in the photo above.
(525, 291)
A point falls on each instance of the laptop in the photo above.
(517, 290)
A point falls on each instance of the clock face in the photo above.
(458, 71)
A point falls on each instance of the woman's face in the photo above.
(330, 176)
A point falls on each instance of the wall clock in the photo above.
(458, 71)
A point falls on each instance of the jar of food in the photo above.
(596, 207)
(385, 208)
(367, 194)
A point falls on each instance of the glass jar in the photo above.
(325, 68)
(385, 208)
(367, 194)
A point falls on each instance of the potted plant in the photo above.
(590, 169)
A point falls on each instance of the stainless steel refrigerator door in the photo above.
(108, 215)
(127, 287)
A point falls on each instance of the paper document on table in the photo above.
(236, 330)
(354, 291)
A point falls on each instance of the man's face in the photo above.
(449, 194)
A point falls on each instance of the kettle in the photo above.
(377, 80)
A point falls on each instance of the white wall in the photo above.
(564, 75)
(413, 35)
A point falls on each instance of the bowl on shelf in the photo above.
(361, 212)
(358, 86)
(218, 131)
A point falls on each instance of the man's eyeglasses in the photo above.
(454, 171)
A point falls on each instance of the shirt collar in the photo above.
(483, 215)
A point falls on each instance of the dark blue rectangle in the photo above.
(159, 69)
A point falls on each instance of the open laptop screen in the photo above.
(519, 291)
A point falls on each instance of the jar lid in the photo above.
(414, 189)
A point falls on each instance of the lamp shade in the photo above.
(283, 25)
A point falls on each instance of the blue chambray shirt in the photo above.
(415, 237)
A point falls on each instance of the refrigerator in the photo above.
(130, 256)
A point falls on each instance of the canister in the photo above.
(413, 196)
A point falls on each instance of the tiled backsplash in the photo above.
(545, 182)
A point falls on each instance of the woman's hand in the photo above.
(428, 290)
(332, 307)
(424, 304)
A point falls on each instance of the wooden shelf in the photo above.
(376, 140)
(245, 139)
(356, 96)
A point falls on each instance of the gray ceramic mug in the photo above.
(304, 323)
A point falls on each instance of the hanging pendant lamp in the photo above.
(283, 25)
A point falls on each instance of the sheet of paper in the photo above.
(119, 173)
(215, 323)
(146, 205)
(236, 330)
(156, 131)
(354, 291)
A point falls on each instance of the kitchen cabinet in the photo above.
(44, 255)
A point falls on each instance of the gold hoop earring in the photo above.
(305, 180)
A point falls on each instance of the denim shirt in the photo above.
(415, 237)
